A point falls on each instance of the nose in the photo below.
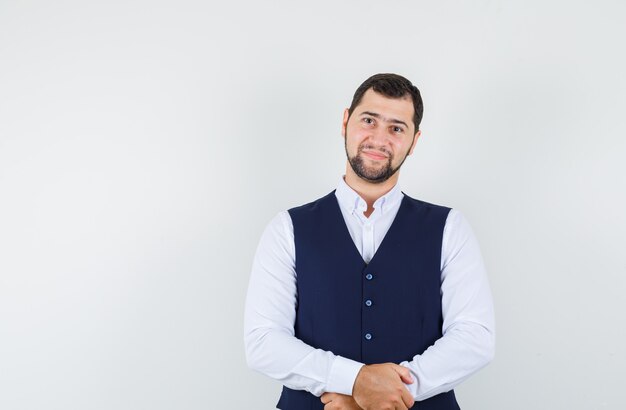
(379, 136)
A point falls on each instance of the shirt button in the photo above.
(369, 276)
(368, 302)
(368, 336)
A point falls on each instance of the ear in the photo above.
(344, 124)
(415, 138)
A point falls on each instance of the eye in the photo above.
(397, 129)
(368, 120)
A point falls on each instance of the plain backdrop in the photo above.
(144, 146)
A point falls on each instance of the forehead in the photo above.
(399, 108)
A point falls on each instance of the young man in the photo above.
(367, 298)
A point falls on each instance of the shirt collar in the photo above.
(352, 202)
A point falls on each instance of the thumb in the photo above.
(404, 373)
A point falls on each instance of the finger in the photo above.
(405, 374)
(407, 398)
(327, 398)
(401, 406)
(333, 406)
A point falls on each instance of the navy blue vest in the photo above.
(386, 311)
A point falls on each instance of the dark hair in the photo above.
(392, 86)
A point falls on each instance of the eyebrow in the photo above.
(391, 120)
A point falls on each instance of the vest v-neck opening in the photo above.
(391, 229)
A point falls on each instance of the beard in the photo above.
(375, 175)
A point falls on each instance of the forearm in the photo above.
(297, 365)
(465, 349)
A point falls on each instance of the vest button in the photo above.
(368, 336)
(368, 302)
(369, 276)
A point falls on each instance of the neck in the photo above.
(369, 191)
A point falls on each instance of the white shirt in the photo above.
(468, 338)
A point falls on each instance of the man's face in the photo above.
(379, 135)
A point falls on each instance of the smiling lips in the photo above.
(375, 155)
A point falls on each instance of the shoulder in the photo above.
(418, 204)
(457, 232)
(311, 206)
(278, 229)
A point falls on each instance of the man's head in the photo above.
(381, 126)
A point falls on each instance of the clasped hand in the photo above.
(377, 387)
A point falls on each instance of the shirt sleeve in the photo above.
(270, 343)
(468, 340)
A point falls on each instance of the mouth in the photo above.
(375, 155)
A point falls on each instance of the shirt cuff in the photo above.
(342, 375)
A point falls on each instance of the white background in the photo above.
(144, 145)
